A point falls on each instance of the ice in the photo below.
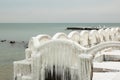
(64, 57)
(93, 37)
(60, 35)
(60, 60)
(75, 36)
(84, 40)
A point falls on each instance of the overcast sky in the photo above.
(60, 11)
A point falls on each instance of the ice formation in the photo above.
(75, 36)
(107, 34)
(93, 37)
(35, 42)
(117, 34)
(101, 35)
(55, 60)
(38, 40)
(60, 35)
(61, 57)
(84, 38)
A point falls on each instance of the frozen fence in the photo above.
(64, 57)
(55, 60)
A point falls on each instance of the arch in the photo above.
(38, 40)
(60, 35)
(93, 50)
(84, 38)
(43, 38)
(75, 36)
(101, 35)
(117, 34)
(60, 47)
(93, 37)
(107, 34)
(112, 34)
(34, 43)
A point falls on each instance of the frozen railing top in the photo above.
(84, 38)
(36, 42)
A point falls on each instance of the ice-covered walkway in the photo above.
(108, 70)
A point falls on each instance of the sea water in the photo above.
(22, 32)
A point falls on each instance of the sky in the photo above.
(59, 11)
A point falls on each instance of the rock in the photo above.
(12, 42)
(3, 40)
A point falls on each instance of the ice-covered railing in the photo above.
(92, 37)
(98, 51)
(36, 54)
(60, 35)
(34, 43)
(61, 59)
(89, 38)
(55, 59)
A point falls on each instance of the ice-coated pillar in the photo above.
(85, 67)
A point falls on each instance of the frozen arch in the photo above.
(107, 34)
(35, 42)
(60, 35)
(93, 37)
(101, 33)
(93, 50)
(38, 40)
(75, 36)
(84, 38)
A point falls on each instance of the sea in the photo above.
(20, 33)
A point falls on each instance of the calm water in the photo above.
(23, 32)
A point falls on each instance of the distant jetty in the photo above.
(82, 28)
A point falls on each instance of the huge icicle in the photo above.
(59, 59)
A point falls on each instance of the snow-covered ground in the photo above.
(108, 70)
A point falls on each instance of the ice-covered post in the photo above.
(86, 67)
